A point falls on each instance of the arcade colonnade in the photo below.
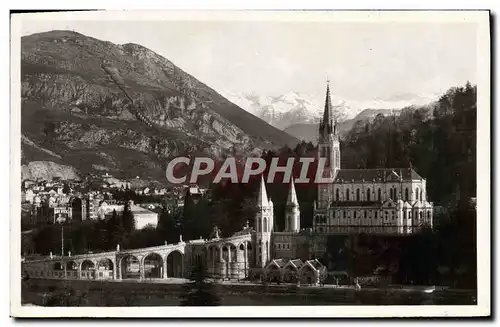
(118, 266)
(229, 260)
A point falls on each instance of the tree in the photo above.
(128, 219)
(199, 292)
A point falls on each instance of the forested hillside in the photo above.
(438, 141)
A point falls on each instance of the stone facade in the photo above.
(374, 201)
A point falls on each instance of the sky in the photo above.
(363, 61)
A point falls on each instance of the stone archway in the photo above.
(130, 267)
(87, 269)
(71, 269)
(57, 266)
(175, 264)
(105, 269)
(153, 266)
(58, 270)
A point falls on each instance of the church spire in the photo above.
(326, 125)
(292, 196)
(262, 197)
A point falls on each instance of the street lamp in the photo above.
(60, 220)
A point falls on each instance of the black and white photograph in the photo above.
(309, 163)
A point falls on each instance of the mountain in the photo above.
(284, 110)
(98, 106)
(309, 131)
(293, 111)
(280, 111)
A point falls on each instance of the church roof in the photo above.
(315, 263)
(377, 175)
(297, 262)
(280, 262)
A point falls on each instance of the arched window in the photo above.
(368, 195)
(376, 214)
(265, 225)
(344, 214)
(337, 195)
(357, 195)
(417, 192)
(347, 195)
(428, 214)
(390, 193)
(421, 195)
(365, 214)
(379, 194)
(407, 197)
(289, 222)
(355, 214)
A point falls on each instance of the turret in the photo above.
(263, 226)
(292, 214)
(328, 151)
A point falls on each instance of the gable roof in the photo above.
(377, 175)
(316, 264)
(297, 263)
(280, 263)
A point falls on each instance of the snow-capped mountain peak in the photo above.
(294, 107)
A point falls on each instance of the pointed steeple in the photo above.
(262, 200)
(327, 114)
(292, 196)
(326, 125)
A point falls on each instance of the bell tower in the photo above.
(328, 150)
(264, 223)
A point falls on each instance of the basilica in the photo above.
(381, 201)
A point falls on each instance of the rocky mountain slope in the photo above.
(95, 105)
